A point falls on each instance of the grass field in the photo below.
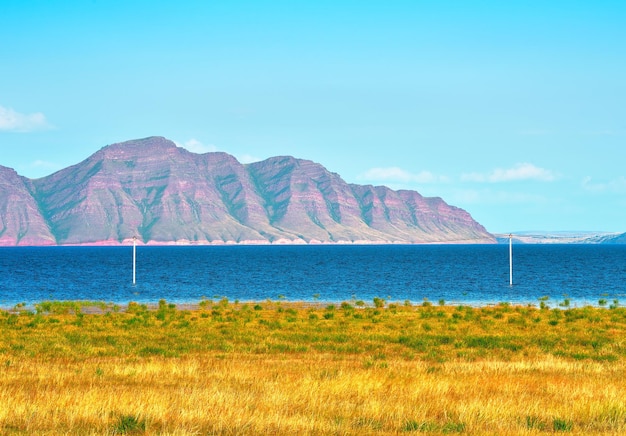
(287, 368)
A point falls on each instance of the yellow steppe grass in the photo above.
(294, 369)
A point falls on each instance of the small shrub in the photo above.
(562, 425)
(134, 307)
(346, 306)
(129, 424)
(379, 302)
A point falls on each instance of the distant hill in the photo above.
(163, 194)
(563, 238)
(613, 239)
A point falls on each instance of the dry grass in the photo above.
(296, 369)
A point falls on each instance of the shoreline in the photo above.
(278, 243)
(99, 307)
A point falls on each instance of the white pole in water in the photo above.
(134, 256)
(510, 259)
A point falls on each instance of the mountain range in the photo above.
(162, 194)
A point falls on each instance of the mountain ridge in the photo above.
(163, 194)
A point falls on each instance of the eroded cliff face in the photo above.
(21, 222)
(160, 193)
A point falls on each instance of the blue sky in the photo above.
(514, 111)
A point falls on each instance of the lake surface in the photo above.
(458, 274)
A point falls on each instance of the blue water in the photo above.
(458, 274)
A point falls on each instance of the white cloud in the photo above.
(247, 158)
(195, 146)
(12, 121)
(617, 185)
(398, 175)
(520, 172)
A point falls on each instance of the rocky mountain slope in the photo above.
(21, 221)
(162, 194)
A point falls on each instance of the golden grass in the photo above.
(287, 368)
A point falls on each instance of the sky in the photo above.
(512, 110)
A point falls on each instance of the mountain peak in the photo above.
(152, 144)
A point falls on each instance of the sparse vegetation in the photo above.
(129, 424)
(230, 368)
(379, 302)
